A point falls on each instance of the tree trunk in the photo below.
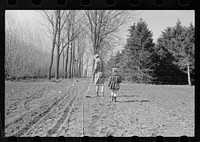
(63, 65)
(52, 54)
(66, 63)
(72, 46)
(77, 66)
(93, 63)
(85, 73)
(69, 63)
(53, 47)
(188, 72)
(73, 59)
(58, 46)
(81, 68)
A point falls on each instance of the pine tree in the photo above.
(137, 53)
(175, 50)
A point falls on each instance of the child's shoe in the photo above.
(115, 98)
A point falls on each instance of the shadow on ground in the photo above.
(133, 101)
(128, 96)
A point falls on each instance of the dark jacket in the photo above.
(114, 81)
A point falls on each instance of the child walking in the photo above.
(114, 81)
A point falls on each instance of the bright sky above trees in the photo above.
(157, 20)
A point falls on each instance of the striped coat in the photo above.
(114, 82)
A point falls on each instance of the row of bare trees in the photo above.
(75, 35)
(67, 33)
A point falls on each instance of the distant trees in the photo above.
(76, 36)
(168, 61)
(64, 32)
(176, 46)
(23, 58)
(68, 32)
(54, 20)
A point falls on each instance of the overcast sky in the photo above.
(157, 20)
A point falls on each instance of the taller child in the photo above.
(99, 74)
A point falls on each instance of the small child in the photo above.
(114, 81)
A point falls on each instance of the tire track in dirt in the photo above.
(28, 120)
(35, 96)
(73, 123)
(52, 123)
(25, 101)
(56, 110)
(133, 114)
(72, 126)
(36, 119)
(67, 110)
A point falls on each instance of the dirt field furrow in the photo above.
(30, 113)
(51, 122)
(55, 109)
(21, 125)
(41, 113)
(72, 126)
(59, 122)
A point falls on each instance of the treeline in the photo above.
(171, 60)
(74, 35)
(22, 58)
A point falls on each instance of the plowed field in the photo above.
(44, 108)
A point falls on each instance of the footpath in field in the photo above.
(139, 111)
(56, 109)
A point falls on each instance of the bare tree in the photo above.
(104, 23)
(81, 46)
(73, 31)
(58, 19)
(53, 18)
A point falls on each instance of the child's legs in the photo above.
(102, 89)
(115, 93)
(112, 93)
(97, 89)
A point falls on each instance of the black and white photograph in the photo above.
(99, 73)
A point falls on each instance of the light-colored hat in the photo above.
(96, 56)
(114, 69)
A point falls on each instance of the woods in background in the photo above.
(75, 36)
(171, 60)
(23, 57)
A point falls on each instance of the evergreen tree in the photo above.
(175, 50)
(109, 65)
(136, 59)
